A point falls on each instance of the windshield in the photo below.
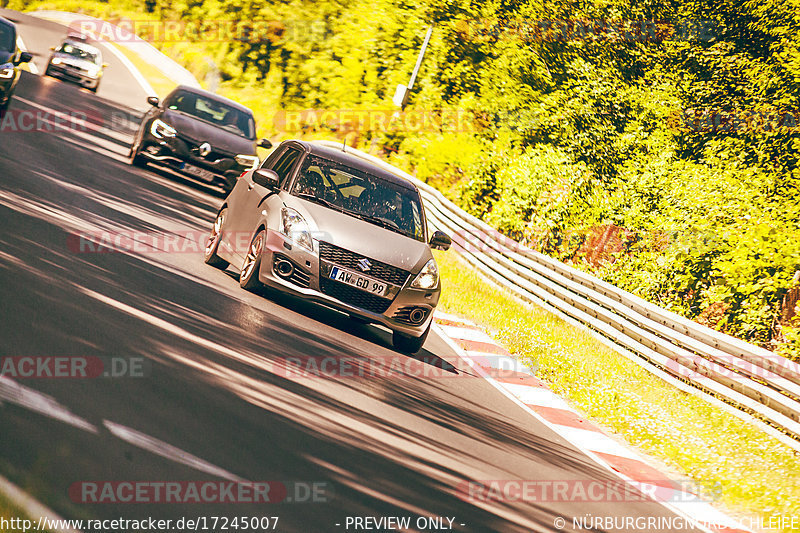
(78, 53)
(360, 194)
(214, 112)
(7, 38)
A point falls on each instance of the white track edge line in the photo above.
(555, 428)
(31, 506)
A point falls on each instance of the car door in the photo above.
(246, 201)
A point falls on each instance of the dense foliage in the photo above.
(678, 126)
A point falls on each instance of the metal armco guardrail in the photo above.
(749, 381)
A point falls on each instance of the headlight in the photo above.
(428, 277)
(294, 226)
(55, 61)
(6, 71)
(161, 129)
(249, 161)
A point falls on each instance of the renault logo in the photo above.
(204, 149)
(364, 264)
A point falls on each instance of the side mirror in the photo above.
(105, 65)
(153, 101)
(52, 48)
(440, 241)
(24, 57)
(265, 143)
(266, 177)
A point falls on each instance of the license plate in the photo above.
(358, 281)
(199, 172)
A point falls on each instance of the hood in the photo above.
(75, 62)
(362, 237)
(5, 57)
(219, 138)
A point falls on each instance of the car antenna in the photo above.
(344, 144)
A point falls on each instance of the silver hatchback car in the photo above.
(330, 227)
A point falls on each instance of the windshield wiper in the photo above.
(382, 222)
(317, 199)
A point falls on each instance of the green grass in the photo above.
(750, 473)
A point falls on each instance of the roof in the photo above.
(352, 160)
(214, 96)
(6, 22)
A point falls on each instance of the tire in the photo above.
(94, 89)
(4, 108)
(248, 277)
(138, 161)
(135, 159)
(210, 257)
(407, 344)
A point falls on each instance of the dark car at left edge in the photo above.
(10, 60)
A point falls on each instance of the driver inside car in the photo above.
(311, 182)
(379, 204)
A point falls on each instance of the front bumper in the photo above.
(308, 281)
(73, 75)
(174, 154)
(6, 89)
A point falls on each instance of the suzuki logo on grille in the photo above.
(204, 149)
(364, 264)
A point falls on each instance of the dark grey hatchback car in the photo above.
(332, 228)
(10, 60)
(198, 134)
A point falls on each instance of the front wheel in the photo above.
(210, 256)
(134, 158)
(248, 277)
(4, 108)
(408, 344)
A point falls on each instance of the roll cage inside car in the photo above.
(289, 157)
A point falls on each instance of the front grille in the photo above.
(190, 143)
(348, 259)
(355, 297)
(67, 73)
(402, 314)
(67, 67)
(298, 276)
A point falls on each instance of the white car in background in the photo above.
(77, 61)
